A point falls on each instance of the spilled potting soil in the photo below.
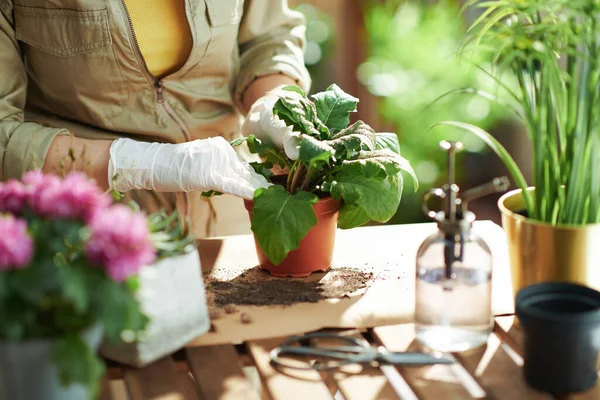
(257, 287)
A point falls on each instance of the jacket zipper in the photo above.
(159, 91)
(157, 83)
(161, 100)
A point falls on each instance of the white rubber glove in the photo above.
(201, 165)
(264, 125)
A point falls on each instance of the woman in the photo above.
(144, 94)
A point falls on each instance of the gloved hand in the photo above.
(264, 125)
(201, 165)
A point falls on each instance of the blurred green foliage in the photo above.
(320, 45)
(413, 61)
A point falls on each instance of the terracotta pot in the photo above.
(540, 252)
(315, 252)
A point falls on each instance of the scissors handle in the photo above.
(412, 358)
(357, 353)
(337, 353)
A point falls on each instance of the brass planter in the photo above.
(540, 252)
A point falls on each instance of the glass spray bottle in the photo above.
(453, 310)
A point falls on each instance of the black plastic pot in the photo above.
(561, 336)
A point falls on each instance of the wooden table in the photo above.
(216, 372)
(213, 368)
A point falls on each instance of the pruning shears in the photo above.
(354, 351)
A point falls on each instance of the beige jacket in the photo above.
(73, 66)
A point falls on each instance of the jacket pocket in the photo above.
(211, 76)
(62, 32)
(224, 12)
(71, 63)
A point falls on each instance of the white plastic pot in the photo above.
(172, 295)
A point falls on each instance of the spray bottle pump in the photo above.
(454, 269)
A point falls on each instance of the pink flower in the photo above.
(83, 196)
(16, 247)
(44, 196)
(33, 178)
(120, 241)
(12, 196)
(74, 197)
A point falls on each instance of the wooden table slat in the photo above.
(117, 390)
(291, 385)
(105, 390)
(357, 382)
(218, 373)
(160, 380)
(435, 382)
(498, 372)
(509, 327)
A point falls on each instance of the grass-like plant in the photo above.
(552, 49)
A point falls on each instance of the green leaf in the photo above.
(117, 196)
(256, 146)
(3, 287)
(379, 197)
(482, 94)
(312, 150)
(334, 107)
(160, 220)
(133, 283)
(74, 283)
(350, 141)
(32, 283)
(169, 234)
(16, 317)
(133, 206)
(287, 116)
(387, 140)
(263, 169)
(508, 161)
(280, 220)
(78, 363)
(384, 162)
(211, 193)
(239, 141)
(119, 309)
(352, 216)
(300, 113)
(294, 88)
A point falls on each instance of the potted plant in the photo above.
(551, 49)
(335, 174)
(171, 294)
(68, 265)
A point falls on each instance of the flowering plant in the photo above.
(68, 262)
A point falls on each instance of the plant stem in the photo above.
(279, 157)
(307, 177)
(291, 175)
(296, 178)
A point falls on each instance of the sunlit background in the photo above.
(398, 57)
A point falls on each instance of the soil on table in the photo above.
(257, 287)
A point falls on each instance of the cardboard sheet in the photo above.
(384, 302)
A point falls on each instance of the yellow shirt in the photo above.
(162, 33)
